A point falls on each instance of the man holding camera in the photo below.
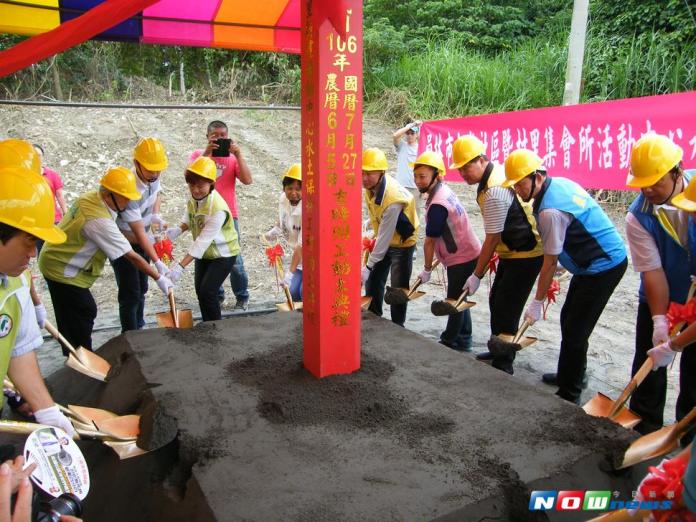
(406, 148)
(231, 166)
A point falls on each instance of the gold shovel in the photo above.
(452, 306)
(658, 442)
(505, 344)
(401, 296)
(123, 427)
(81, 359)
(289, 305)
(174, 318)
(124, 447)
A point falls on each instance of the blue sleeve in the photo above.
(435, 220)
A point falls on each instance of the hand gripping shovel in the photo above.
(289, 305)
(401, 296)
(174, 318)
(505, 345)
(81, 359)
(124, 447)
(452, 306)
(657, 443)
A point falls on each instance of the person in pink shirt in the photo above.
(56, 183)
(230, 167)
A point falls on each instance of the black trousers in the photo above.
(585, 302)
(209, 275)
(132, 287)
(75, 311)
(514, 280)
(457, 333)
(648, 400)
(399, 263)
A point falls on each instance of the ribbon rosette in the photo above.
(274, 253)
(681, 313)
(368, 243)
(551, 294)
(666, 484)
(164, 250)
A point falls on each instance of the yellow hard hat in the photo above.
(121, 181)
(520, 164)
(26, 203)
(150, 153)
(687, 199)
(432, 159)
(204, 167)
(652, 157)
(19, 153)
(464, 149)
(294, 172)
(374, 159)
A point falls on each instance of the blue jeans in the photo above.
(457, 334)
(398, 261)
(132, 287)
(239, 281)
(296, 285)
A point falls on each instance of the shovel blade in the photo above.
(165, 320)
(416, 295)
(125, 450)
(396, 296)
(649, 446)
(365, 302)
(525, 342)
(126, 426)
(285, 307)
(600, 406)
(87, 415)
(76, 365)
(447, 307)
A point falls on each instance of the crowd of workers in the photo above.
(534, 223)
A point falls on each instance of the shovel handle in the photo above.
(462, 298)
(172, 307)
(419, 281)
(638, 378)
(288, 297)
(526, 324)
(683, 425)
(59, 337)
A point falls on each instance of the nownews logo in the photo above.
(589, 501)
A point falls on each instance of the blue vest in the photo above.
(592, 245)
(679, 263)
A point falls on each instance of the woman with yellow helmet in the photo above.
(215, 243)
(289, 225)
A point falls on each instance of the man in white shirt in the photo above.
(406, 148)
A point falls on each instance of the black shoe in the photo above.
(552, 379)
(484, 356)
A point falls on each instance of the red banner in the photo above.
(589, 143)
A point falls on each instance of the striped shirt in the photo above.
(140, 210)
(496, 203)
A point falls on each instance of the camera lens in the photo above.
(66, 504)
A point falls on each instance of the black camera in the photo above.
(66, 504)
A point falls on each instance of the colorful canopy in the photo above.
(266, 25)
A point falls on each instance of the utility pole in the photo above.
(576, 52)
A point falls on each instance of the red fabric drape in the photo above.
(68, 34)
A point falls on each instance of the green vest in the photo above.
(76, 262)
(225, 243)
(10, 319)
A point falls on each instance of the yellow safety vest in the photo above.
(390, 192)
(225, 243)
(10, 319)
(76, 262)
(520, 224)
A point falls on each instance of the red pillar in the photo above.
(331, 184)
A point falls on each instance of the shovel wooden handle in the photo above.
(172, 307)
(59, 337)
(638, 378)
(683, 425)
(288, 297)
(526, 324)
(419, 281)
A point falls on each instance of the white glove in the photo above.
(273, 234)
(533, 313)
(161, 267)
(164, 284)
(288, 278)
(52, 416)
(472, 284)
(176, 272)
(365, 274)
(173, 233)
(424, 276)
(156, 219)
(40, 310)
(660, 329)
(662, 355)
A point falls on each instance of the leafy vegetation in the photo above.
(423, 58)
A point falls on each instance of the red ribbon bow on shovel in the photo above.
(368, 243)
(164, 250)
(666, 484)
(551, 294)
(681, 313)
(273, 253)
(492, 269)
